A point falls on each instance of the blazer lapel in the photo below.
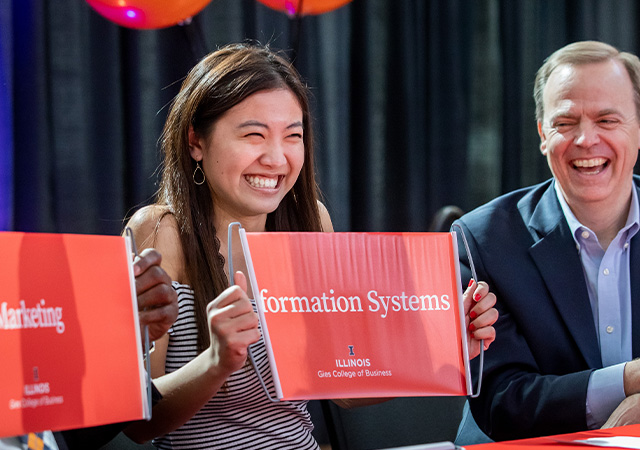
(559, 264)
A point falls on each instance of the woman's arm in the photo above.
(233, 326)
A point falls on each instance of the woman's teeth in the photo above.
(261, 182)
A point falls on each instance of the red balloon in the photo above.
(292, 7)
(147, 14)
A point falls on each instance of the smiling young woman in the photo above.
(238, 147)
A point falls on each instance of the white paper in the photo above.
(614, 441)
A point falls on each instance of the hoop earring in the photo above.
(201, 174)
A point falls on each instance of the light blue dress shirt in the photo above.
(609, 286)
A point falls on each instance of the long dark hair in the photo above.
(218, 82)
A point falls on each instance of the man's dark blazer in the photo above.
(537, 370)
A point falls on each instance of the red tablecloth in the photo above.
(559, 441)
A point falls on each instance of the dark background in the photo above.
(418, 103)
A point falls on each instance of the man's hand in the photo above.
(157, 300)
(627, 413)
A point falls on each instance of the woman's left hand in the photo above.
(480, 315)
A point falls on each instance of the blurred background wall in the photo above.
(418, 103)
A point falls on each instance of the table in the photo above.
(560, 441)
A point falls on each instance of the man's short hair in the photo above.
(586, 52)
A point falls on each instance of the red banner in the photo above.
(349, 315)
(69, 333)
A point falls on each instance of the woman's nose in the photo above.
(274, 155)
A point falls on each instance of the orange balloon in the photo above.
(291, 7)
(147, 14)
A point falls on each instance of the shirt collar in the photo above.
(633, 219)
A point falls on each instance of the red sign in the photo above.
(349, 315)
(69, 333)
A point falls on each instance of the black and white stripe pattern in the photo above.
(240, 416)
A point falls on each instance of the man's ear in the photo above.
(195, 145)
(543, 139)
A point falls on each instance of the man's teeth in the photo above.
(589, 162)
(260, 182)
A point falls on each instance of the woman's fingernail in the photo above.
(473, 314)
(477, 297)
(470, 282)
(473, 335)
(472, 327)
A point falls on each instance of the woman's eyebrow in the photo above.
(297, 124)
(257, 123)
(253, 123)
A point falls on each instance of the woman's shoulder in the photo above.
(325, 218)
(149, 221)
(155, 226)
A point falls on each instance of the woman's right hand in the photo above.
(233, 326)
